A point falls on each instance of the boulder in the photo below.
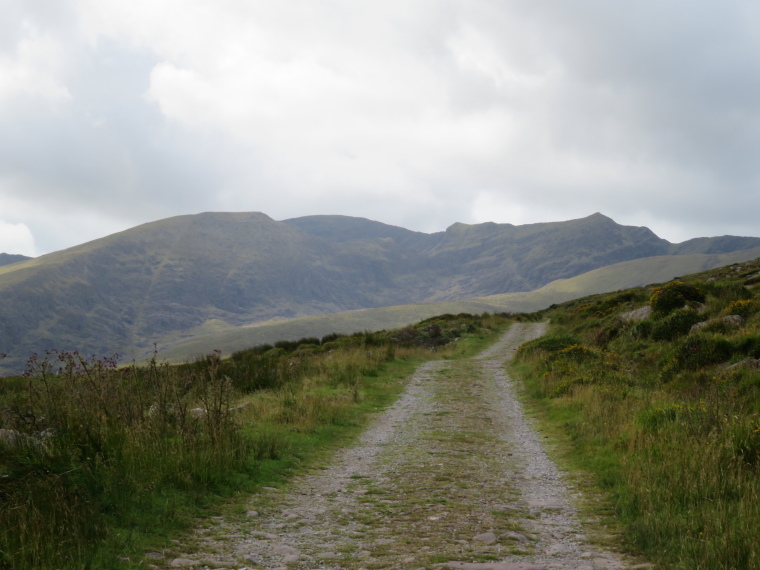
(733, 320)
(640, 314)
(748, 363)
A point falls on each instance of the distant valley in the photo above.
(229, 280)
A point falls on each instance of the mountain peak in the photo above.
(598, 218)
(8, 258)
(188, 274)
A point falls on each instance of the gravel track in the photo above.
(452, 475)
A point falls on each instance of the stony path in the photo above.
(451, 476)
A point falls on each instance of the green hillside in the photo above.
(8, 258)
(662, 411)
(101, 466)
(214, 272)
(218, 335)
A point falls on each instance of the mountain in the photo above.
(8, 258)
(192, 275)
(614, 277)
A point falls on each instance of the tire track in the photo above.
(451, 476)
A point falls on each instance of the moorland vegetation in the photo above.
(656, 392)
(212, 274)
(99, 463)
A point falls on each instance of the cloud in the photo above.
(16, 239)
(32, 71)
(417, 114)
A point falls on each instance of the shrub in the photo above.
(107, 442)
(727, 291)
(673, 296)
(577, 353)
(743, 307)
(610, 333)
(548, 343)
(331, 337)
(748, 345)
(408, 336)
(567, 385)
(700, 349)
(677, 323)
(642, 329)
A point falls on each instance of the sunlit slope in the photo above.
(628, 274)
(386, 318)
(9, 258)
(209, 273)
(612, 278)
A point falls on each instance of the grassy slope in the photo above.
(214, 271)
(669, 431)
(127, 462)
(8, 258)
(221, 336)
(642, 272)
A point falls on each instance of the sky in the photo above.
(415, 113)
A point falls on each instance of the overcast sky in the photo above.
(417, 113)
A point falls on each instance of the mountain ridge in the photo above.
(9, 258)
(624, 275)
(123, 291)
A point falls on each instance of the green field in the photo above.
(100, 464)
(220, 335)
(665, 418)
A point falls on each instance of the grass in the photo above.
(666, 426)
(232, 338)
(426, 489)
(437, 483)
(109, 462)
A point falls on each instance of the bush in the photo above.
(677, 323)
(700, 349)
(577, 353)
(331, 337)
(673, 296)
(642, 329)
(727, 291)
(105, 443)
(748, 345)
(610, 333)
(743, 307)
(548, 343)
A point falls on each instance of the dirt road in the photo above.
(451, 476)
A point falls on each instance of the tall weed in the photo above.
(95, 457)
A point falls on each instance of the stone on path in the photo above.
(486, 537)
(547, 505)
(181, 562)
(492, 566)
(516, 536)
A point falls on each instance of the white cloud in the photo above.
(315, 88)
(16, 239)
(414, 113)
(33, 70)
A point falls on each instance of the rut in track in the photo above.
(451, 476)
